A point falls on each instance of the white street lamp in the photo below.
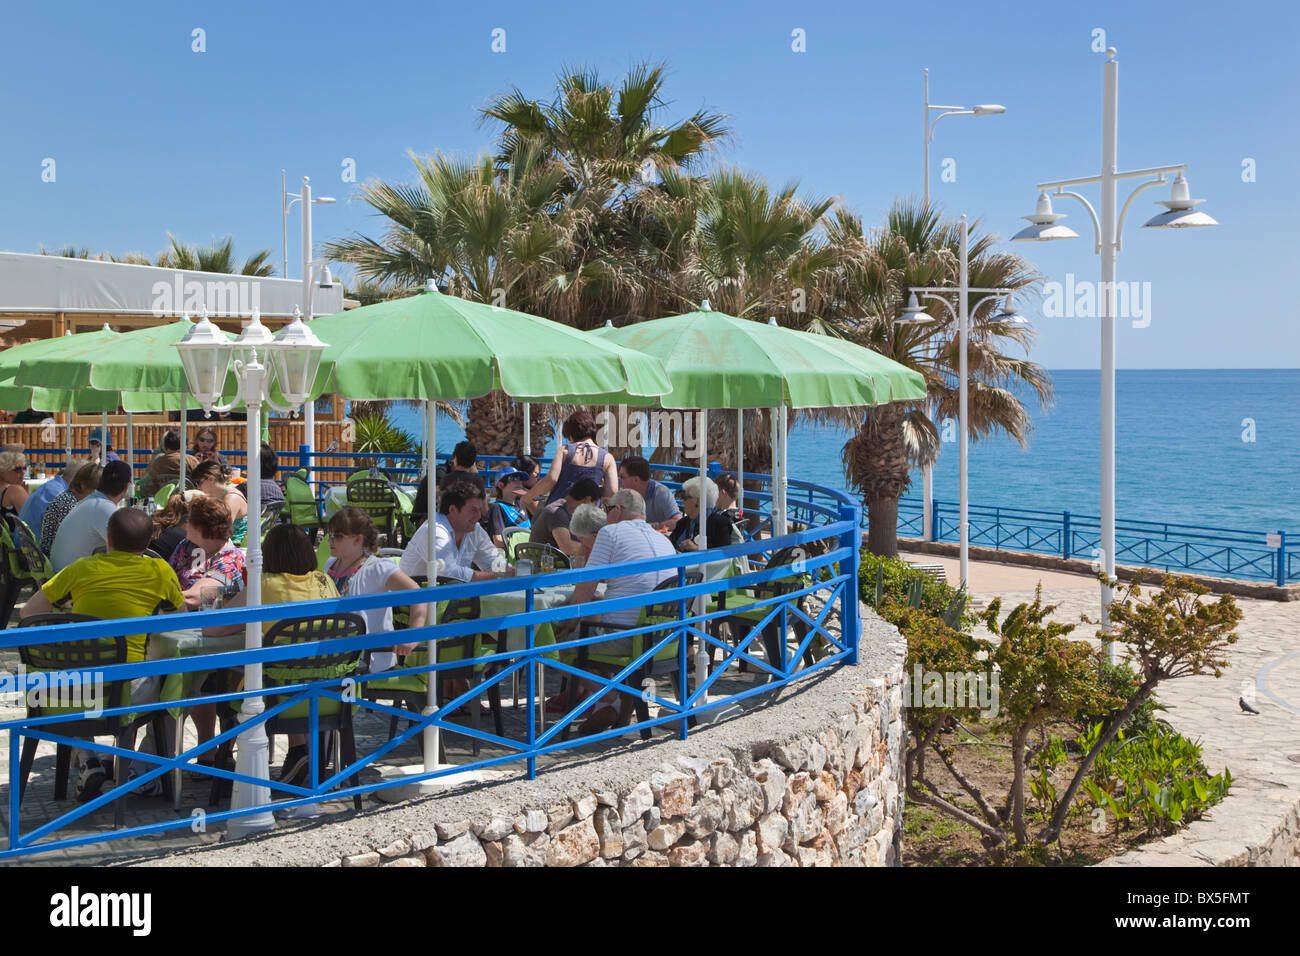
(913, 315)
(327, 281)
(1108, 229)
(294, 356)
(927, 137)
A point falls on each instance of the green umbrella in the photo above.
(433, 346)
(716, 360)
(17, 397)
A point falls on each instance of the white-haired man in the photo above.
(718, 525)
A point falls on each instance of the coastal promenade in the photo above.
(1259, 822)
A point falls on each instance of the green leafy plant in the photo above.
(376, 435)
(892, 581)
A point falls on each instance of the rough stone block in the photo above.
(824, 786)
(771, 779)
(464, 850)
(799, 786)
(837, 812)
(665, 835)
(771, 833)
(706, 816)
(724, 772)
(637, 801)
(495, 829)
(792, 755)
(557, 818)
(395, 849)
(450, 831)
(773, 858)
(724, 849)
(689, 853)
(584, 807)
(748, 853)
(532, 821)
(362, 859)
(525, 850)
(610, 832)
(574, 845)
(674, 793)
(650, 858)
(416, 860)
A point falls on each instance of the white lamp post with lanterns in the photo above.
(1043, 225)
(292, 358)
(916, 314)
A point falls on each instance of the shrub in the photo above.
(883, 581)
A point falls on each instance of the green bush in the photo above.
(885, 581)
(1121, 682)
(1156, 780)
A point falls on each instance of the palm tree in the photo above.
(217, 257)
(916, 247)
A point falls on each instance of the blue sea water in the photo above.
(1214, 447)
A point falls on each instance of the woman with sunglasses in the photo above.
(717, 523)
(205, 447)
(210, 478)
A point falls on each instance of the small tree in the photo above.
(1171, 634)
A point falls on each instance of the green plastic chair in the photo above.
(744, 615)
(322, 552)
(664, 662)
(301, 505)
(25, 564)
(375, 497)
(163, 495)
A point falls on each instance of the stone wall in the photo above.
(811, 777)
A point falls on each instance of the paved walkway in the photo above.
(1259, 822)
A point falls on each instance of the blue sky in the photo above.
(150, 137)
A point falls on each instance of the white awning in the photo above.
(35, 284)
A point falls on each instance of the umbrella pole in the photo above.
(185, 440)
(103, 439)
(431, 733)
(774, 470)
(528, 428)
(740, 463)
(783, 429)
(69, 435)
(130, 451)
(702, 544)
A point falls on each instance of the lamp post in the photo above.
(293, 357)
(287, 200)
(927, 137)
(916, 314)
(1044, 225)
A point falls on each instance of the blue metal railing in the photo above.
(1166, 546)
(833, 541)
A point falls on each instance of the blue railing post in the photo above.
(934, 519)
(1065, 534)
(714, 469)
(683, 679)
(850, 625)
(1281, 559)
(532, 689)
(303, 460)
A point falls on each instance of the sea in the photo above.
(1210, 447)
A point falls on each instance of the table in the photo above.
(184, 642)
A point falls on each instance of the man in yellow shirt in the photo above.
(121, 583)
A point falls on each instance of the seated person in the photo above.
(13, 486)
(462, 547)
(463, 464)
(729, 495)
(86, 526)
(169, 526)
(207, 560)
(210, 478)
(551, 525)
(270, 488)
(508, 510)
(717, 526)
(288, 574)
(101, 442)
(660, 505)
(82, 483)
(531, 467)
(583, 528)
(33, 510)
(355, 569)
(626, 537)
(121, 583)
(165, 469)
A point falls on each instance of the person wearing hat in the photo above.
(508, 510)
(102, 436)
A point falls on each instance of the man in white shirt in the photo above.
(86, 526)
(460, 543)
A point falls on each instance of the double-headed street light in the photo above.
(1180, 212)
(292, 359)
(914, 314)
(927, 137)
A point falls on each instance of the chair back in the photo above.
(532, 550)
(65, 656)
(512, 535)
(327, 666)
(271, 515)
(375, 497)
(25, 559)
(300, 502)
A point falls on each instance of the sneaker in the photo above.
(154, 788)
(91, 779)
(297, 764)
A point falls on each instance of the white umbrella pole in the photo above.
(130, 451)
(783, 432)
(528, 428)
(69, 436)
(103, 438)
(702, 543)
(431, 734)
(185, 439)
(773, 469)
(740, 463)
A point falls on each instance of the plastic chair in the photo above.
(333, 718)
(22, 561)
(532, 550)
(271, 515)
(375, 497)
(744, 617)
(303, 509)
(664, 662)
(164, 494)
(511, 536)
(91, 655)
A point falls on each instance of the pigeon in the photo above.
(1245, 706)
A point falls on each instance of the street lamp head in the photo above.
(988, 109)
(914, 314)
(1181, 209)
(324, 200)
(1010, 315)
(1043, 224)
(295, 355)
(253, 337)
(205, 355)
(326, 278)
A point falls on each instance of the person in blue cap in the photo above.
(102, 436)
(508, 510)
